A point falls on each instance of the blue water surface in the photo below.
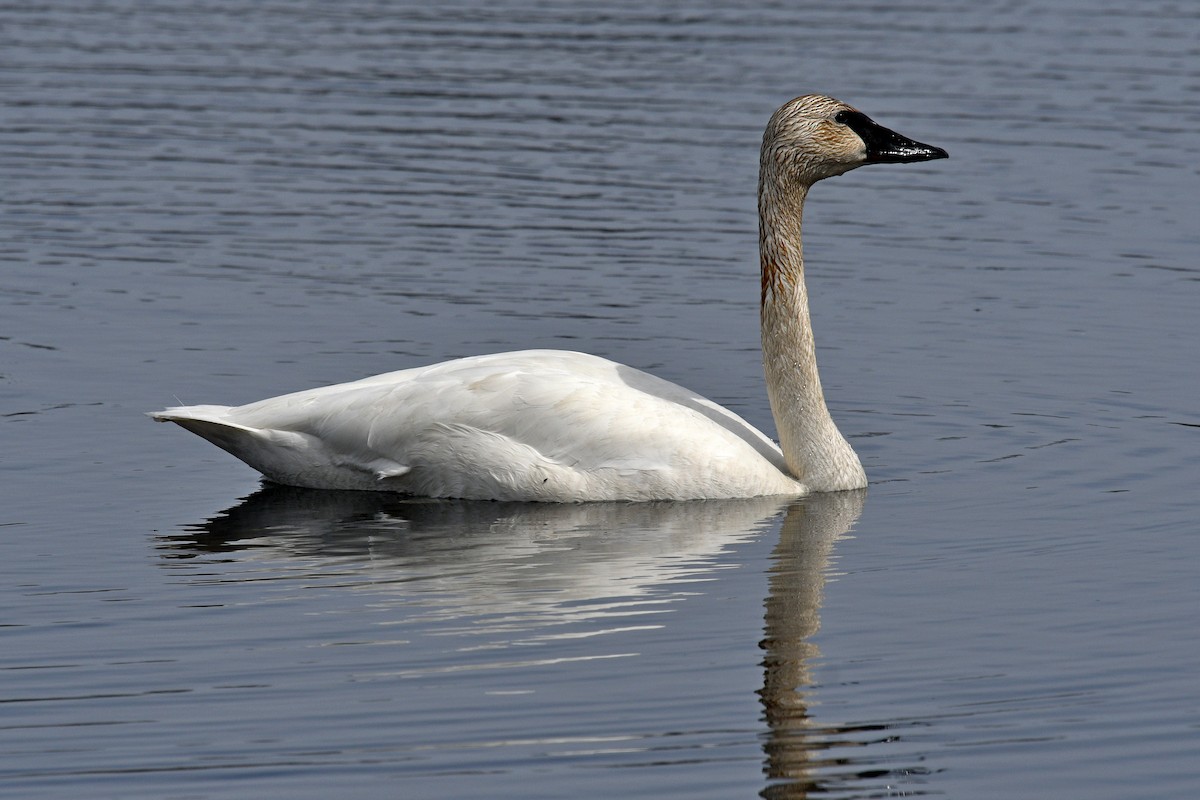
(222, 201)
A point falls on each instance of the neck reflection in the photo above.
(796, 581)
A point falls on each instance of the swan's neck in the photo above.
(815, 451)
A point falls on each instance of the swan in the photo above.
(560, 426)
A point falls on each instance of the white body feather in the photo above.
(534, 425)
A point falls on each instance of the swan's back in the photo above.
(530, 425)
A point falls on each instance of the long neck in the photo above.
(814, 449)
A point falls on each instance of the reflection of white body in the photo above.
(480, 558)
(558, 426)
(547, 564)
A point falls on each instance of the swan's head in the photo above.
(814, 137)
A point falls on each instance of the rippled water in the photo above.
(222, 201)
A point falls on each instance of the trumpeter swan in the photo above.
(566, 427)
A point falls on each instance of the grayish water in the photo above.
(222, 201)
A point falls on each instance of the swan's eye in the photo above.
(842, 117)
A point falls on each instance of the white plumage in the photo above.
(566, 427)
(534, 425)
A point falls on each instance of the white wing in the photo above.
(530, 425)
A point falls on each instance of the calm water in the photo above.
(221, 201)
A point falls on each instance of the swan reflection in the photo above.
(796, 580)
(482, 557)
(520, 567)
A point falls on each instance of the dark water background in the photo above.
(222, 201)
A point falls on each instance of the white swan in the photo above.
(567, 427)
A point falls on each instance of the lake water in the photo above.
(220, 201)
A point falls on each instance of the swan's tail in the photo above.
(210, 423)
(177, 413)
(287, 457)
(268, 451)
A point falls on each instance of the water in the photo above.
(224, 201)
